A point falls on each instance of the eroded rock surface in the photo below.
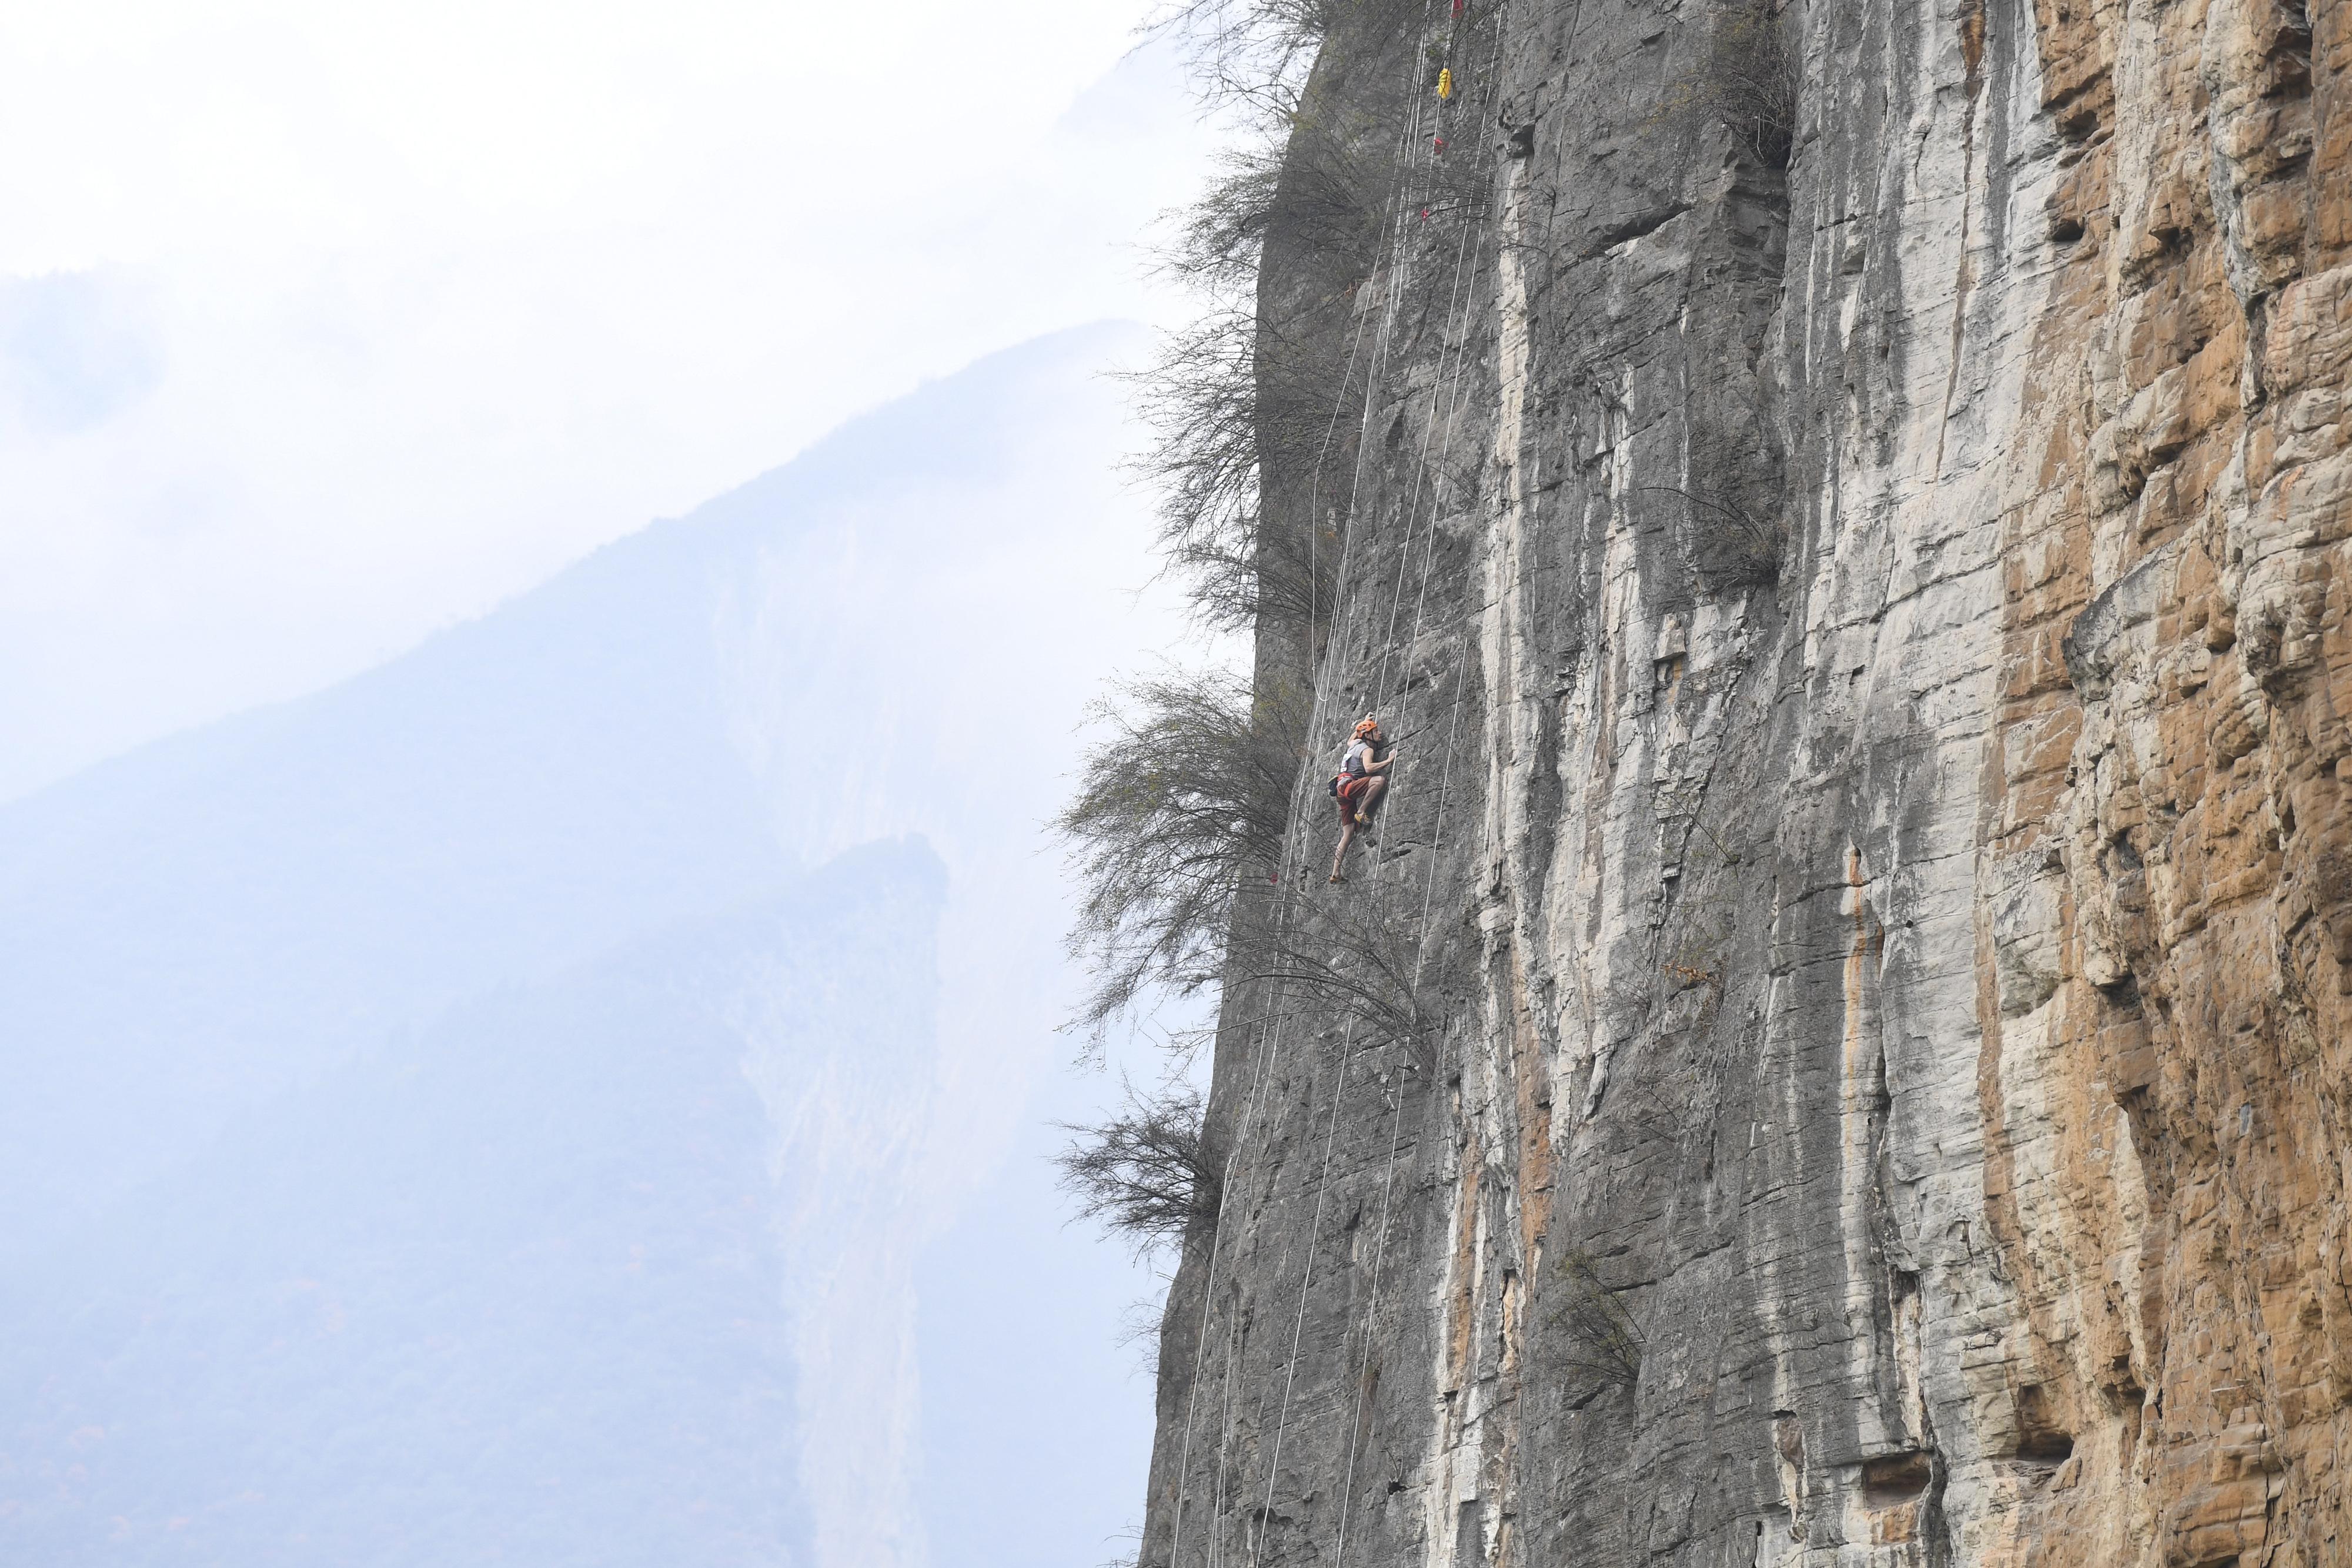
(1875, 853)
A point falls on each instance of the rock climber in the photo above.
(1362, 780)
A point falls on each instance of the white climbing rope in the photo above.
(1268, 1043)
(1388, 1180)
(1451, 403)
(1270, 1029)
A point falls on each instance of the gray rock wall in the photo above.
(1838, 1055)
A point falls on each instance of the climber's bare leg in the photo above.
(1346, 837)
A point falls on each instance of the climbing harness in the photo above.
(1355, 763)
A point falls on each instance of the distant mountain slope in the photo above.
(508, 1290)
(416, 907)
(668, 726)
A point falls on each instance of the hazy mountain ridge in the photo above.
(536, 1256)
(322, 912)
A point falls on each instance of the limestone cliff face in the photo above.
(1873, 863)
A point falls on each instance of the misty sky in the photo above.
(581, 1093)
(326, 328)
(323, 324)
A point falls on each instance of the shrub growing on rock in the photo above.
(1184, 798)
(1604, 1341)
(1147, 1174)
(1355, 964)
(1747, 81)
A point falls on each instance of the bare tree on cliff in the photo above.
(1184, 799)
(1148, 1173)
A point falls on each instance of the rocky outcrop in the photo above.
(1874, 864)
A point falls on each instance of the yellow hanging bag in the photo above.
(1445, 82)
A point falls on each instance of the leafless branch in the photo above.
(1747, 81)
(1148, 1173)
(1603, 1340)
(1185, 796)
(1357, 964)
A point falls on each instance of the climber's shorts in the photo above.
(1351, 794)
